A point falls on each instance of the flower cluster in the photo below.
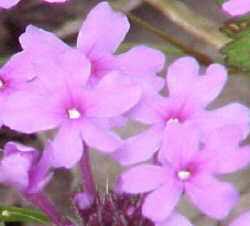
(82, 93)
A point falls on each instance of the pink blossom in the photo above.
(189, 95)
(187, 167)
(237, 7)
(242, 220)
(58, 98)
(99, 37)
(21, 168)
(7, 4)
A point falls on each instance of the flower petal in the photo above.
(144, 70)
(180, 75)
(8, 4)
(180, 144)
(234, 114)
(67, 147)
(113, 100)
(242, 220)
(184, 81)
(103, 30)
(99, 138)
(142, 178)
(217, 205)
(41, 43)
(222, 153)
(159, 204)
(236, 7)
(141, 147)
(29, 113)
(149, 110)
(175, 219)
(209, 86)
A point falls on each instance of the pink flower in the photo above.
(189, 95)
(7, 4)
(186, 167)
(242, 220)
(21, 168)
(58, 98)
(237, 7)
(99, 37)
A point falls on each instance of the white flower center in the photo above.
(173, 120)
(184, 175)
(74, 113)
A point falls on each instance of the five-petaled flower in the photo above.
(59, 98)
(189, 95)
(188, 165)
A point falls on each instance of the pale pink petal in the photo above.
(99, 138)
(67, 146)
(110, 102)
(76, 67)
(222, 153)
(142, 178)
(237, 7)
(6, 4)
(103, 30)
(15, 71)
(40, 43)
(181, 74)
(222, 199)
(149, 110)
(233, 114)
(242, 220)
(183, 80)
(29, 113)
(180, 144)
(208, 86)
(141, 147)
(175, 219)
(144, 70)
(159, 204)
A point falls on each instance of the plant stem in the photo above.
(42, 202)
(199, 56)
(202, 28)
(87, 173)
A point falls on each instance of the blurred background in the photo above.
(65, 21)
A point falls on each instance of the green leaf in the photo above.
(167, 49)
(15, 214)
(220, 2)
(237, 52)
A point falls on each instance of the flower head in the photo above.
(59, 99)
(236, 7)
(21, 168)
(189, 94)
(185, 167)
